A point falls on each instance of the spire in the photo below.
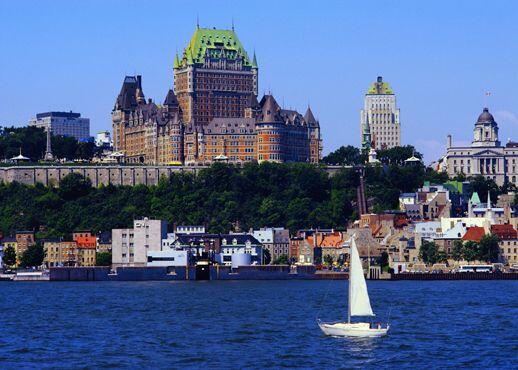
(176, 61)
(310, 118)
(254, 61)
(48, 152)
(197, 21)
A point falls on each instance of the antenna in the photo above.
(232, 23)
(197, 20)
(486, 96)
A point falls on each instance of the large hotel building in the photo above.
(379, 119)
(213, 113)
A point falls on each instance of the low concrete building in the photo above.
(130, 246)
(167, 258)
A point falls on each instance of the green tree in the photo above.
(9, 258)
(470, 251)
(282, 260)
(103, 258)
(33, 256)
(74, 186)
(489, 250)
(345, 155)
(428, 253)
(383, 260)
(397, 155)
(456, 252)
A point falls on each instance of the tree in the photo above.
(103, 258)
(429, 252)
(328, 259)
(282, 260)
(33, 256)
(383, 260)
(74, 186)
(398, 155)
(9, 258)
(345, 155)
(267, 257)
(470, 251)
(489, 250)
(456, 252)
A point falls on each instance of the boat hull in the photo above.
(360, 330)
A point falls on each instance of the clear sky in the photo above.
(440, 57)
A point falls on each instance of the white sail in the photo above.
(359, 303)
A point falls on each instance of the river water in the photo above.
(254, 324)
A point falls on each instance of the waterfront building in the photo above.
(24, 239)
(276, 240)
(233, 246)
(446, 239)
(508, 243)
(64, 124)
(485, 156)
(60, 253)
(379, 119)
(213, 113)
(130, 246)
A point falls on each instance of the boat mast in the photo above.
(349, 282)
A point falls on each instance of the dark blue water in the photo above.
(258, 324)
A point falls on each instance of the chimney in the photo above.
(380, 79)
(139, 81)
(448, 142)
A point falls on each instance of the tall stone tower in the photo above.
(379, 120)
(214, 77)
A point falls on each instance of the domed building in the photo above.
(485, 156)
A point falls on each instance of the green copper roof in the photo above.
(176, 61)
(380, 88)
(475, 199)
(218, 43)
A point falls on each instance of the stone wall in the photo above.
(115, 175)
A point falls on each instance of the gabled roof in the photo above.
(170, 98)
(310, 118)
(474, 233)
(270, 110)
(505, 231)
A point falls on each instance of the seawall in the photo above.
(457, 276)
(187, 273)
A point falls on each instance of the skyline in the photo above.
(54, 48)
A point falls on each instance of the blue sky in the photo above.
(440, 57)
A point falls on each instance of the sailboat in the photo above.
(359, 305)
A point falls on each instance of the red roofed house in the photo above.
(474, 233)
(508, 242)
(86, 246)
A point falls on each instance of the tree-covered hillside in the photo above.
(268, 194)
